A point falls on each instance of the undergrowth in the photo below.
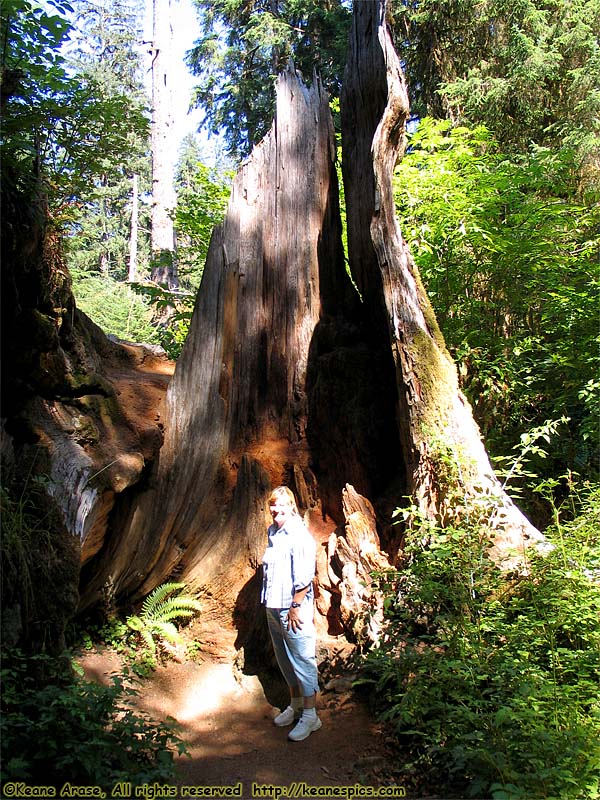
(36, 552)
(150, 637)
(58, 728)
(490, 682)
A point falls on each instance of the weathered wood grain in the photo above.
(237, 405)
(433, 415)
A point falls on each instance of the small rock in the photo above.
(340, 685)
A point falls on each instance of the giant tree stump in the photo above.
(292, 373)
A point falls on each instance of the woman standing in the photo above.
(287, 593)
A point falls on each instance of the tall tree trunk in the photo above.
(133, 230)
(434, 418)
(104, 253)
(164, 270)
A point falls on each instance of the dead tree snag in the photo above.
(432, 413)
(290, 375)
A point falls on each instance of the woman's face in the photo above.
(281, 511)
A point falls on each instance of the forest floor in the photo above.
(226, 721)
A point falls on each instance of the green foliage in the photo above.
(202, 197)
(112, 633)
(172, 308)
(540, 79)
(91, 733)
(36, 553)
(104, 48)
(145, 638)
(489, 681)
(529, 70)
(243, 48)
(425, 34)
(58, 128)
(155, 620)
(115, 307)
(32, 74)
(529, 448)
(21, 529)
(509, 258)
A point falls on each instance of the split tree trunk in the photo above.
(237, 404)
(434, 418)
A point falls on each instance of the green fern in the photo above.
(154, 622)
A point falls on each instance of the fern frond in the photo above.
(177, 613)
(165, 607)
(175, 604)
(160, 607)
(170, 604)
(146, 635)
(168, 631)
(191, 603)
(157, 597)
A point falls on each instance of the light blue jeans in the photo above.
(295, 652)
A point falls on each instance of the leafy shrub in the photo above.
(491, 682)
(508, 250)
(172, 309)
(90, 733)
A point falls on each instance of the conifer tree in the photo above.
(202, 194)
(244, 46)
(530, 70)
(106, 49)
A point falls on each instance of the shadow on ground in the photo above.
(227, 723)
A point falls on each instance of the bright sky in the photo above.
(186, 29)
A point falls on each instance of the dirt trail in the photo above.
(226, 722)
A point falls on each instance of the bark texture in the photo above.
(434, 417)
(237, 406)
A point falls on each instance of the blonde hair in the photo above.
(281, 493)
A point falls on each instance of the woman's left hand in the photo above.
(294, 622)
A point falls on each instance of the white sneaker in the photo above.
(304, 728)
(287, 717)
